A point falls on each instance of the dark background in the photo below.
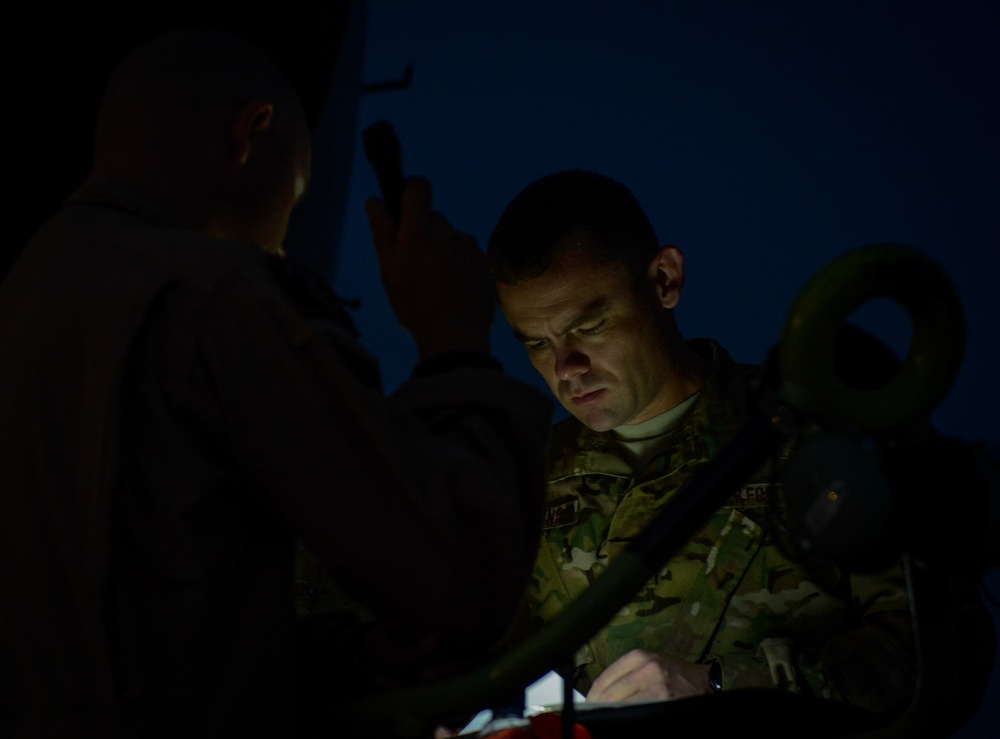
(763, 138)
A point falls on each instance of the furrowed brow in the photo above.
(522, 337)
(591, 312)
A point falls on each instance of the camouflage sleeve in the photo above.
(869, 663)
(874, 665)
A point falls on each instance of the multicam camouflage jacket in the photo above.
(729, 593)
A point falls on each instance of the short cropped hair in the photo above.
(533, 229)
(171, 87)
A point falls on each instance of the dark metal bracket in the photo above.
(386, 85)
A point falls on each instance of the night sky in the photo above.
(764, 139)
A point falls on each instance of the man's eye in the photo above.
(538, 344)
(590, 330)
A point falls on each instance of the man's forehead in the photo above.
(568, 291)
(559, 321)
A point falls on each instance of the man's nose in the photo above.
(570, 363)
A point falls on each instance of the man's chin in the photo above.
(594, 418)
(594, 409)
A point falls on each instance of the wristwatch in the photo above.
(715, 675)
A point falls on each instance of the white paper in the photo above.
(545, 694)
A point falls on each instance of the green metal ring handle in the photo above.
(809, 383)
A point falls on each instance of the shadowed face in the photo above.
(595, 339)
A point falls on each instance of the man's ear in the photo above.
(253, 118)
(666, 270)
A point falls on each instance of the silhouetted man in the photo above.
(176, 407)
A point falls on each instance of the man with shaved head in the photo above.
(177, 408)
(591, 293)
(182, 115)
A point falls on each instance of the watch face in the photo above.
(715, 676)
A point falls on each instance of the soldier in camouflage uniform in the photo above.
(729, 594)
(587, 289)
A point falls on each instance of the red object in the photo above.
(543, 726)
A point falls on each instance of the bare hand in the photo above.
(434, 276)
(641, 675)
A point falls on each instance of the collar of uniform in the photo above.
(714, 417)
(576, 450)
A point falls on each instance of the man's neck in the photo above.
(640, 442)
(686, 376)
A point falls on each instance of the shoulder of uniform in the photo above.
(564, 443)
(565, 434)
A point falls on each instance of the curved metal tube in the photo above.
(409, 712)
(809, 385)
